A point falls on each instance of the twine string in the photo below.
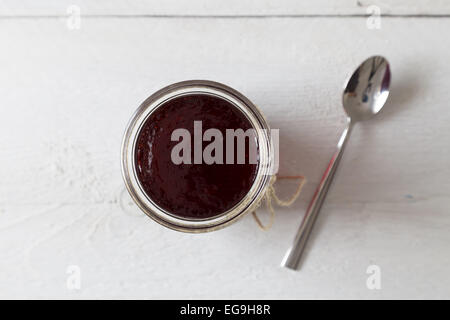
(271, 195)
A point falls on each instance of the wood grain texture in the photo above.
(67, 95)
(223, 8)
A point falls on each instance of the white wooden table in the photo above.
(67, 93)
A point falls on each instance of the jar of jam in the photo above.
(196, 195)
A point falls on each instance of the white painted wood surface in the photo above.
(224, 8)
(66, 97)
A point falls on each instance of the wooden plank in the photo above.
(66, 97)
(224, 8)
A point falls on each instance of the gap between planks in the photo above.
(178, 16)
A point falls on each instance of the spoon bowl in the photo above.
(367, 89)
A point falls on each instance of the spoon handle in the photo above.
(292, 257)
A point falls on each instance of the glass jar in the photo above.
(265, 152)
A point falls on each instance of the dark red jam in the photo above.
(192, 190)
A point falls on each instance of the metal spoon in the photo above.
(364, 96)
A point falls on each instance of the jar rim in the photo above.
(247, 204)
